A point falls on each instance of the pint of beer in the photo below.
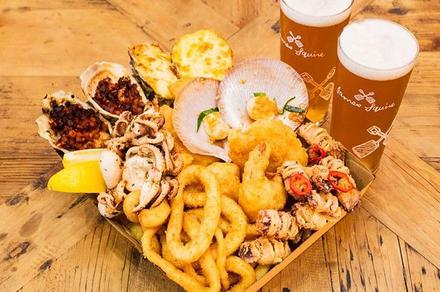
(309, 34)
(376, 58)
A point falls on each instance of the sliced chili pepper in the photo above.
(315, 153)
(340, 181)
(300, 185)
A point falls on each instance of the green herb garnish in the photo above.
(291, 108)
(259, 94)
(203, 114)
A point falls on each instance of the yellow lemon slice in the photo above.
(81, 177)
(74, 157)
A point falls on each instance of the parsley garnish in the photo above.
(203, 114)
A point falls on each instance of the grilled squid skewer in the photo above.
(277, 224)
(315, 135)
(264, 251)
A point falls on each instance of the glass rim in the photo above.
(319, 16)
(413, 59)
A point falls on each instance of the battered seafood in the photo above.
(70, 124)
(283, 142)
(258, 192)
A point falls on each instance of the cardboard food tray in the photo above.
(363, 178)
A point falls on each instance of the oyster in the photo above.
(71, 124)
(153, 69)
(197, 97)
(257, 77)
(111, 90)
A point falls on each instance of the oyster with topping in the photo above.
(111, 90)
(153, 69)
(71, 124)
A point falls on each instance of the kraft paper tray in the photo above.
(363, 178)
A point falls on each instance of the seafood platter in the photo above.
(208, 167)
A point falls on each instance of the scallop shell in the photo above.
(98, 71)
(273, 77)
(196, 97)
(44, 129)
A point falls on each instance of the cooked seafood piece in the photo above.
(202, 54)
(70, 124)
(111, 90)
(264, 251)
(191, 106)
(308, 218)
(319, 138)
(267, 77)
(277, 224)
(153, 69)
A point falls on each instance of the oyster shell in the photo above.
(111, 90)
(272, 77)
(196, 97)
(71, 124)
(153, 69)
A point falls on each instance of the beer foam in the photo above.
(377, 49)
(317, 12)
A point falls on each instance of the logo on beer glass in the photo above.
(359, 98)
(293, 42)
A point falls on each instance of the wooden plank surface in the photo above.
(390, 244)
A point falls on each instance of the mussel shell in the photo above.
(44, 129)
(273, 77)
(196, 97)
(153, 69)
(97, 72)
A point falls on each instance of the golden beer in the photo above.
(309, 34)
(376, 58)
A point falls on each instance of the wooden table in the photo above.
(57, 242)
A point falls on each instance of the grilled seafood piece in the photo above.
(308, 218)
(272, 78)
(70, 124)
(264, 251)
(288, 170)
(153, 69)
(111, 90)
(315, 135)
(325, 204)
(277, 224)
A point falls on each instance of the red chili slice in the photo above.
(340, 181)
(300, 185)
(315, 153)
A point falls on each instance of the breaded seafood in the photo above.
(283, 142)
(257, 191)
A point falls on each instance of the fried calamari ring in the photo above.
(194, 198)
(236, 228)
(154, 217)
(131, 201)
(196, 247)
(221, 259)
(238, 222)
(191, 226)
(244, 270)
(189, 269)
(187, 282)
(166, 254)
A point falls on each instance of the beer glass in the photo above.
(309, 36)
(376, 58)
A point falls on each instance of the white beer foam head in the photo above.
(377, 49)
(317, 13)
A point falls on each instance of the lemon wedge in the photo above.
(74, 157)
(80, 177)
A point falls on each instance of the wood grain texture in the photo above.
(390, 244)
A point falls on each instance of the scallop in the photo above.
(97, 72)
(196, 97)
(272, 77)
(62, 114)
